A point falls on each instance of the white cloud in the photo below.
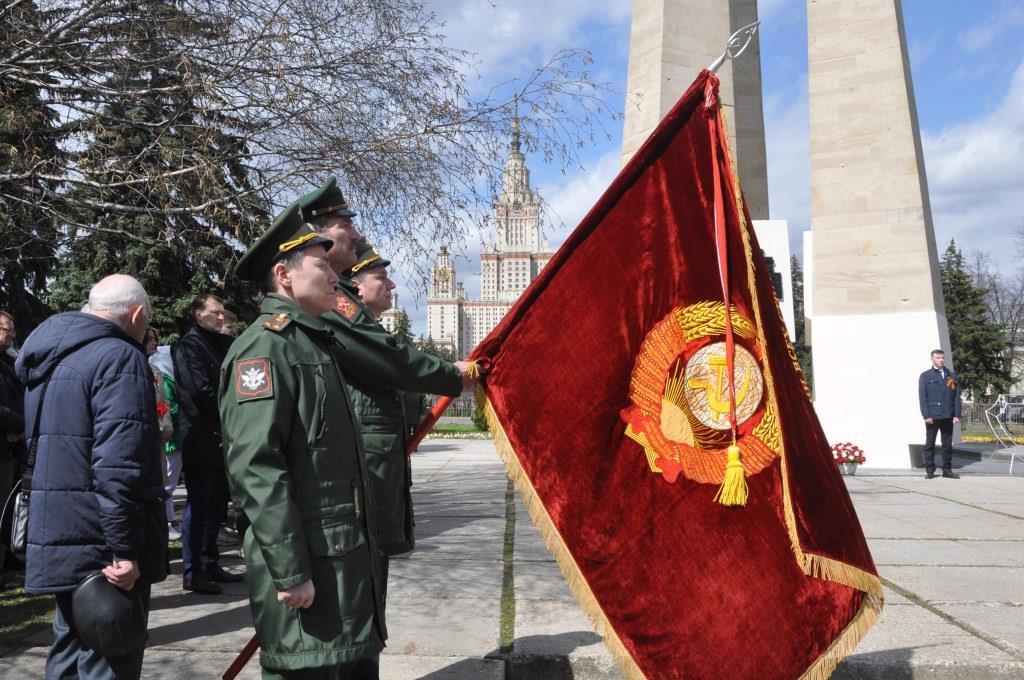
(569, 202)
(1006, 18)
(976, 178)
(506, 36)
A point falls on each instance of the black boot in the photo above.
(949, 474)
(218, 574)
(200, 583)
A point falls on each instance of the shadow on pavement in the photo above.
(225, 620)
(552, 664)
(892, 664)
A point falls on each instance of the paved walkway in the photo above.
(482, 599)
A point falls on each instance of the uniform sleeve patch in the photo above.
(253, 379)
(346, 307)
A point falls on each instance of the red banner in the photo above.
(664, 441)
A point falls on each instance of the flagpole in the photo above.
(425, 427)
(734, 491)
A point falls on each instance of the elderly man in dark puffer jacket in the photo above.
(97, 489)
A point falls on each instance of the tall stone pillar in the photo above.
(670, 42)
(877, 307)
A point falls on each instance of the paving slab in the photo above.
(938, 553)
(442, 627)
(959, 583)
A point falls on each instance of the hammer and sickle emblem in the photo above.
(707, 385)
(716, 391)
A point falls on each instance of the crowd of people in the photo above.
(302, 420)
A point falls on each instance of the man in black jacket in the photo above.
(97, 488)
(197, 359)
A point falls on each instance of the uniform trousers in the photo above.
(70, 658)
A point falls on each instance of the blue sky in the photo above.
(967, 65)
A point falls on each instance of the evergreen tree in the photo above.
(403, 329)
(803, 352)
(28, 137)
(431, 347)
(978, 344)
(134, 148)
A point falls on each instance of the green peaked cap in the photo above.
(326, 200)
(367, 257)
(287, 233)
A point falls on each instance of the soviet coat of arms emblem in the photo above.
(680, 399)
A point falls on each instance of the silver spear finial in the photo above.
(738, 42)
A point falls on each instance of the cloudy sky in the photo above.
(967, 65)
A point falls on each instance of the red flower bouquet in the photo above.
(847, 456)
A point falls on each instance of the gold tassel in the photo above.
(734, 487)
(473, 369)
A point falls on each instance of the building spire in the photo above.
(516, 148)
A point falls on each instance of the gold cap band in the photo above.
(296, 242)
(365, 263)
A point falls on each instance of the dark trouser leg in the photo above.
(7, 467)
(194, 518)
(217, 513)
(946, 428)
(369, 669)
(340, 672)
(69, 658)
(930, 430)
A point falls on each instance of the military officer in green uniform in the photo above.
(381, 413)
(296, 468)
(403, 368)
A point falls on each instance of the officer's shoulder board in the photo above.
(278, 322)
(346, 306)
(254, 379)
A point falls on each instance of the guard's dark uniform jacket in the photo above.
(296, 468)
(939, 396)
(379, 368)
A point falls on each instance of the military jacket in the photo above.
(296, 468)
(382, 416)
(378, 360)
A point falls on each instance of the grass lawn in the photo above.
(22, 615)
(453, 428)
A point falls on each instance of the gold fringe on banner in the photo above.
(553, 540)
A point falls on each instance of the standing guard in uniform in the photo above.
(402, 368)
(296, 468)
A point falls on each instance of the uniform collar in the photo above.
(273, 303)
(348, 285)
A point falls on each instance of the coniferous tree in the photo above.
(803, 351)
(134, 146)
(978, 344)
(403, 329)
(28, 137)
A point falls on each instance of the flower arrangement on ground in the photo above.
(847, 456)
